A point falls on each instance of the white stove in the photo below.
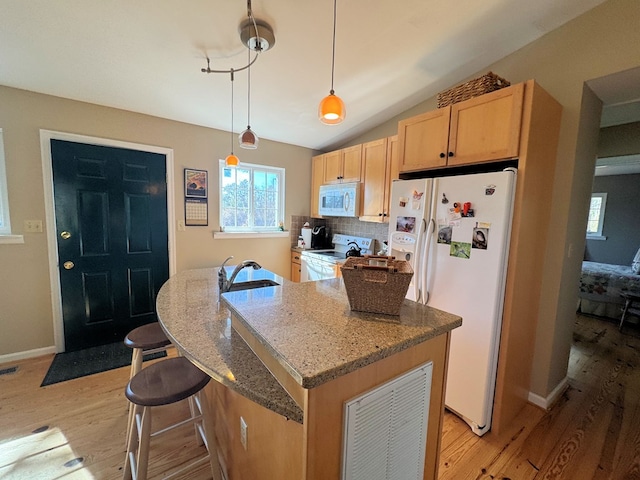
(323, 264)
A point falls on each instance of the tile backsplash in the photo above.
(346, 225)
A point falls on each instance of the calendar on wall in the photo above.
(196, 211)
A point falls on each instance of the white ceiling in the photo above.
(146, 55)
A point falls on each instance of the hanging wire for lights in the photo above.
(331, 109)
(248, 139)
(231, 160)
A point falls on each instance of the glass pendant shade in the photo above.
(248, 139)
(231, 161)
(331, 110)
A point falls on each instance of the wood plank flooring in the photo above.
(593, 432)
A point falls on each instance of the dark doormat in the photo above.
(70, 365)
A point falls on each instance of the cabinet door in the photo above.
(332, 167)
(374, 175)
(351, 163)
(317, 177)
(393, 172)
(423, 140)
(486, 128)
(295, 267)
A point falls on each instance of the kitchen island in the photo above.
(285, 359)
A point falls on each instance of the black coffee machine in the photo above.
(319, 237)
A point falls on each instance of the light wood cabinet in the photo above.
(481, 129)
(296, 267)
(342, 166)
(317, 178)
(379, 168)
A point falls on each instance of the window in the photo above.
(596, 215)
(251, 198)
(5, 224)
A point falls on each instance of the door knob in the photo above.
(68, 265)
(65, 235)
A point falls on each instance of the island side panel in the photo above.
(274, 443)
(323, 412)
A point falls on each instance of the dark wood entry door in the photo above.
(111, 219)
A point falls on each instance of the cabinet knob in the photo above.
(442, 155)
(451, 154)
(380, 214)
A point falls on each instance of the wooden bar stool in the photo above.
(163, 383)
(144, 340)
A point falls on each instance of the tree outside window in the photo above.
(251, 197)
(596, 214)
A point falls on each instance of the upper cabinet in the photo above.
(379, 168)
(317, 178)
(342, 166)
(481, 129)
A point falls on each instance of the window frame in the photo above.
(597, 235)
(5, 217)
(280, 171)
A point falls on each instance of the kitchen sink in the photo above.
(248, 285)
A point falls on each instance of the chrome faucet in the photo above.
(222, 276)
(224, 284)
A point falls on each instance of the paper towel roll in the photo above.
(306, 237)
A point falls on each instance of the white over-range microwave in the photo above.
(339, 200)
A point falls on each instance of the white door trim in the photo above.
(52, 244)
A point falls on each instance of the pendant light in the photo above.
(331, 110)
(248, 139)
(231, 160)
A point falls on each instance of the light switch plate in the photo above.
(33, 226)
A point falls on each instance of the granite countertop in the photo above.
(312, 332)
(307, 327)
(200, 327)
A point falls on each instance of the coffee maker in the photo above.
(319, 237)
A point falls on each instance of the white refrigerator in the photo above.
(455, 232)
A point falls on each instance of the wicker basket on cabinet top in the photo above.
(473, 88)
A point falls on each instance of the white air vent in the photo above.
(385, 430)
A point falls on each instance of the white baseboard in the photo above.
(38, 352)
(547, 402)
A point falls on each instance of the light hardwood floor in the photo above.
(593, 432)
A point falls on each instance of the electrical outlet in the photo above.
(243, 433)
(33, 226)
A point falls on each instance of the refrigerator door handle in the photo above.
(425, 262)
(418, 287)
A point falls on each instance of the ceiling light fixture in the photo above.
(231, 160)
(248, 139)
(331, 110)
(256, 35)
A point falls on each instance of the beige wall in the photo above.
(601, 42)
(26, 319)
(619, 140)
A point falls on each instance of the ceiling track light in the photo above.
(257, 36)
(331, 109)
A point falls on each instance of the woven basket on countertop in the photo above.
(473, 88)
(376, 284)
